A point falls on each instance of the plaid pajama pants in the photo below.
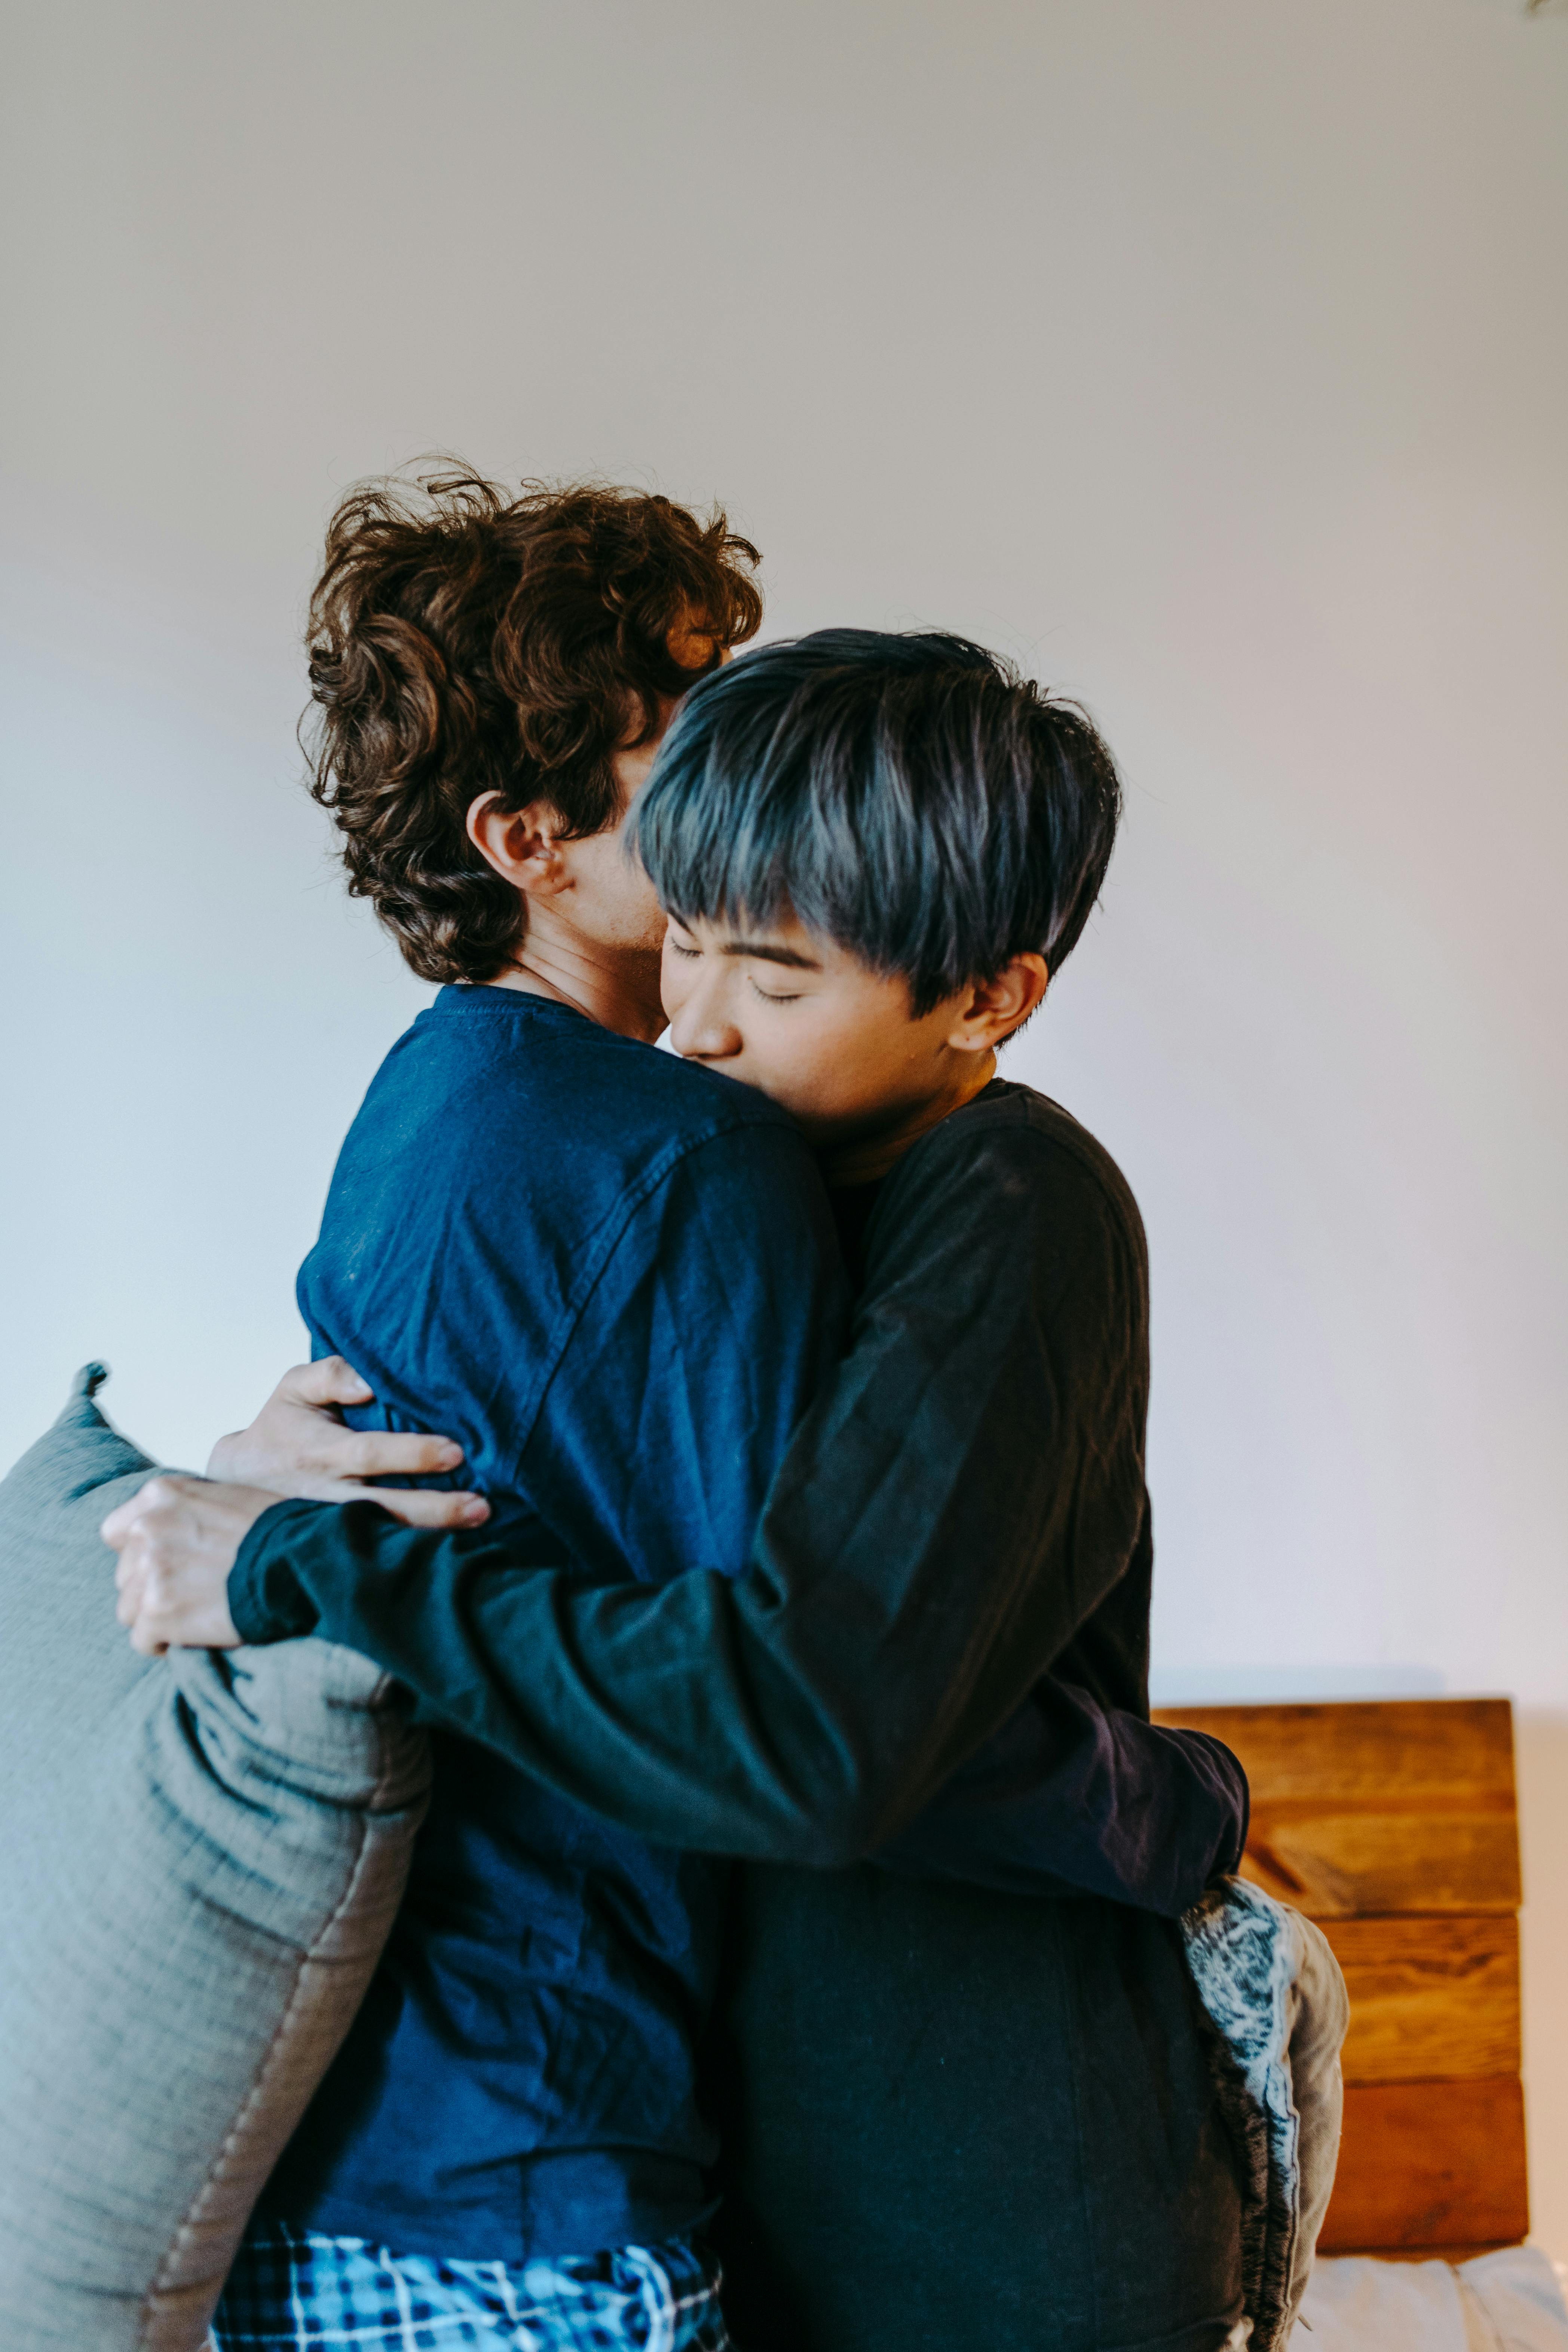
(290, 2291)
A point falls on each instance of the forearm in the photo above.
(586, 1687)
(797, 1712)
(1070, 1796)
(590, 1688)
(950, 1514)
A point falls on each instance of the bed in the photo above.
(1392, 1824)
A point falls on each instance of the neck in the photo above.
(863, 1158)
(616, 987)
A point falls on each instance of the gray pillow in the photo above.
(202, 1856)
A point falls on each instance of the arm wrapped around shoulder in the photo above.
(203, 1858)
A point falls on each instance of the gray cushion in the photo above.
(202, 1858)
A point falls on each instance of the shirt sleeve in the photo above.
(956, 1504)
(1072, 1797)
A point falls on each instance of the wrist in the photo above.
(265, 1598)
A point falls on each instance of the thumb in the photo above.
(331, 1382)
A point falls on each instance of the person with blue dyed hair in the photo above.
(849, 1585)
(911, 797)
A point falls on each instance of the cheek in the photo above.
(857, 1065)
(638, 890)
(674, 982)
(818, 1058)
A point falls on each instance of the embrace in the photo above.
(790, 1957)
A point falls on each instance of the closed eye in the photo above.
(771, 996)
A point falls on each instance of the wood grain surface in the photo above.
(1353, 1865)
(1430, 2164)
(1455, 1748)
(1392, 1805)
(1391, 1823)
(1430, 1999)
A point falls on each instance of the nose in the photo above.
(701, 1029)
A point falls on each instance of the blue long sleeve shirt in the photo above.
(612, 1276)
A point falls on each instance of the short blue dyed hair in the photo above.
(912, 797)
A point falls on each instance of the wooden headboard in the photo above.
(1392, 1824)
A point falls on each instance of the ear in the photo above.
(993, 1009)
(521, 844)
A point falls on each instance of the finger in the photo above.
(145, 1639)
(119, 1526)
(422, 1507)
(332, 1380)
(173, 1618)
(132, 1602)
(387, 1453)
(154, 1496)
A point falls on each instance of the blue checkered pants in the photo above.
(294, 2292)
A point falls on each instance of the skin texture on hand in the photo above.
(299, 1446)
(177, 1540)
(178, 1537)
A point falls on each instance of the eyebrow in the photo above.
(770, 955)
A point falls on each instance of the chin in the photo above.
(779, 1091)
(819, 1127)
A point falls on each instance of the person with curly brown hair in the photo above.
(609, 1276)
(492, 677)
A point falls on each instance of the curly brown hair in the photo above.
(463, 641)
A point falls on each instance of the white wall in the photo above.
(1210, 358)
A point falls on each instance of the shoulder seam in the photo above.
(611, 1234)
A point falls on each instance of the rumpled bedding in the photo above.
(1509, 2302)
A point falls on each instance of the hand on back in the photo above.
(298, 1445)
(178, 1538)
